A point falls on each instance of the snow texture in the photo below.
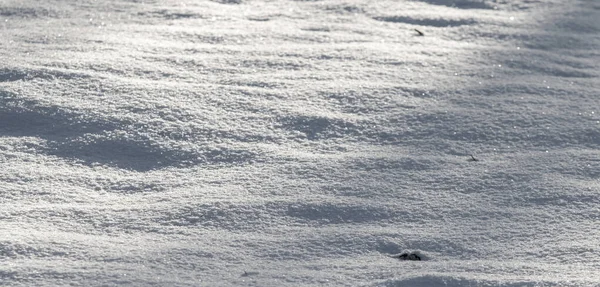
(299, 142)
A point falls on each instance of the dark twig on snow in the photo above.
(420, 33)
(473, 158)
(408, 256)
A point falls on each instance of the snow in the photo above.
(299, 143)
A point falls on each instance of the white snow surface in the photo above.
(299, 142)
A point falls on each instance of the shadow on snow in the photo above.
(94, 141)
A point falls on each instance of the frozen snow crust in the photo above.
(299, 143)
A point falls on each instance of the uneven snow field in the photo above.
(299, 143)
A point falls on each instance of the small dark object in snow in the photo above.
(409, 256)
(420, 33)
(246, 273)
(473, 158)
